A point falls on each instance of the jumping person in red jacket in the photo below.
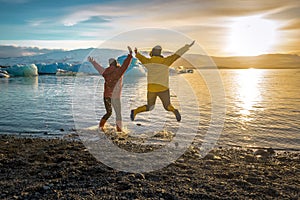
(113, 76)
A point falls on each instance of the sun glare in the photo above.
(250, 36)
(248, 90)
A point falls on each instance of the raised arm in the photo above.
(96, 65)
(141, 57)
(127, 61)
(172, 58)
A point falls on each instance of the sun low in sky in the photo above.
(251, 36)
(222, 28)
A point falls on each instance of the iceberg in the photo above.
(23, 70)
(61, 72)
(135, 69)
(57, 67)
(47, 69)
(65, 66)
(3, 74)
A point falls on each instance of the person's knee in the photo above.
(149, 108)
(108, 114)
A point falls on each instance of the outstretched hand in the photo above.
(91, 59)
(192, 43)
(135, 50)
(129, 49)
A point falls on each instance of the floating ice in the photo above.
(23, 70)
(135, 68)
(47, 69)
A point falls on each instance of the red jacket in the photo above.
(113, 77)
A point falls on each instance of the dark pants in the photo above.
(164, 97)
(151, 98)
(116, 104)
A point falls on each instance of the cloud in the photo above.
(207, 21)
(14, 51)
(286, 13)
(14, 1)
(36, 22)
(292, 25)
(289, 17)
(86, 13)
(169, 13)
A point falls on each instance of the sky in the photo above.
(221, 27)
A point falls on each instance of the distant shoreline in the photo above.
(264, 61)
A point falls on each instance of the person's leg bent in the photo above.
(165, 99)
(108, 108)
(151, 98)
(116, 103)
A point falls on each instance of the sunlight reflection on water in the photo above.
(249, 93)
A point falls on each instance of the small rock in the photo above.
(140, 176)
(123, 186)
(46, 187)
(176, 144)
(264, 153)
(271, 151)
(209, 156)
(217, 157)
(249, 158)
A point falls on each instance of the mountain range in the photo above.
(22, 55)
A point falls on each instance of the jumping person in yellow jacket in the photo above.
(158, 79)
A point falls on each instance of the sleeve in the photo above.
(142, 58)
(172, 58)
(98, 67)
(126, 64)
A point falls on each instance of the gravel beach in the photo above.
(36, 168)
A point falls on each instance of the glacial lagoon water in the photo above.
(262, 106)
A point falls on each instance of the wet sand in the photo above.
(33, 168)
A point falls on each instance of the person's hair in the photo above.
(114, 63)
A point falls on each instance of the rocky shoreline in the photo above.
(35, 168)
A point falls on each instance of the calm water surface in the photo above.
(262, 106)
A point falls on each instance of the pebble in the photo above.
(180, 160)
(83, 177)
(140, 176)
(249, 158)
(260, 152)
(211, 156)
(45, 187)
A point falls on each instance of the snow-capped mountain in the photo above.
(73, 57)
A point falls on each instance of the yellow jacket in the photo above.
(158, 69)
